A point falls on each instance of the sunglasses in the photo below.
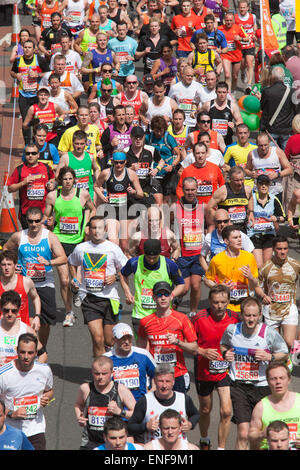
(160, 294)
(131, 83)
(106, 70)
(205, 122)
(34, 221)
(225, 221)
(119, 163)
(106, 91)
(31, 153)
(13, 310)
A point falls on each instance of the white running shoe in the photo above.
(70, 319)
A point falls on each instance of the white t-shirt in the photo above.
(215, 156)
(185, 96)
(76, 85)
(98, 261)
(26, 389)
(73, 61)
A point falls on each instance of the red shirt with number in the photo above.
(209, 333)
(234, 53)
(154, 329)
(248, 27)
(187, 25)
(34, 193)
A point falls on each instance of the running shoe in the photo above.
(70, 319)
(204, 444)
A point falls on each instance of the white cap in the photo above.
(121, 329)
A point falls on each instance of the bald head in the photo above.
(221, 219)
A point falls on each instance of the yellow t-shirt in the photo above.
(93, 139)
(224, 268)
(238, 155)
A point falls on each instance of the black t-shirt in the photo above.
(165, 32)
(145, 162)
(52, 36)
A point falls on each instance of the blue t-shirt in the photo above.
(172, 268)
(54, 155)
(164, 146)
(133, 370)
(14, 439)
(215, 38)
(128, 446)
(121, 49)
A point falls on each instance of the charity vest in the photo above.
(46, 116)
(136, 102)
(248, 26)
(28, 85)
(191, 226)
(244, 368)
(83, 171)
(41, 275)
(203, 61)
(262, 225)
(213, 138)
(88, 42)
(290, 417)
(9, 343)
(46, 13)
(69, 219)
(144, 280)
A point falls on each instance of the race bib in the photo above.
(185, 105)
(205, 190)
(55, 48)
(283, 298)
(32, 405)
(95, 280)
(117, 199)
(122, 56)
(231, 45)
(262, 225)
(83, 182)
(129, 377)
(247, 371)
(192, 239)
(218, 367)
(97, 416)
(220, 125)
(35, 191)
(237, 214)
(94, 265)
(239, 291)
(75, 17)
(36, 272)
(68, 225)
(168, 356)
(147, 299)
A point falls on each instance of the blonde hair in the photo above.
(296, 124)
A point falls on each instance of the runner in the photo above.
(11, 328)
(26, 386)
(248, 346)
(233, 267)
(170, 425)
(168, 334)
(24, 286)
(133, 367)
(204, 59)
(99, 400)
(97, 263)
(11, 438)
(282, 404)
(115, 436)
(210, 368)
(38, 251)
(277, 288)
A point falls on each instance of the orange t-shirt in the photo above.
(187, 25)
(234, 53)
(209, 178)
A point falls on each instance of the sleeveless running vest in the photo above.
(83, 171)
(215, 245)
(236, 205)
(191, 229)
(28, 85)
(97, 413)
(144, 280)
(9, 343)
(88, 42)
(265, 165)
(220, 119)
(46, 13)
(20, 289)
(41, 275)
(69, 219)
(136, 102)
(203, 61)
(262, 224)
(117, 189)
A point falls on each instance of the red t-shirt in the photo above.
(154, 329)
(209, 179)
(34, 193)
(24, 310)
(209, 333)
(188, 25)
(234, 53)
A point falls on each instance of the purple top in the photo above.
(173, 70)
(215, 7)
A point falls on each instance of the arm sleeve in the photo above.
(135, 424)
(191, 411)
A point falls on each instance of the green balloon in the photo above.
(252, 122)
(251, 104)
(244, 116)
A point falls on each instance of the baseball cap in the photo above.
(137, 131)
(43, 89)
(263, 179)
(121, 329)
(152, 247)
(148, 79)
(119, 156)
(162, 286)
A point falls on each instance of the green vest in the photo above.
(290, 417)
(83, 170)
(280, 29)
(69, 219)
(144, 280)
(87, 41)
